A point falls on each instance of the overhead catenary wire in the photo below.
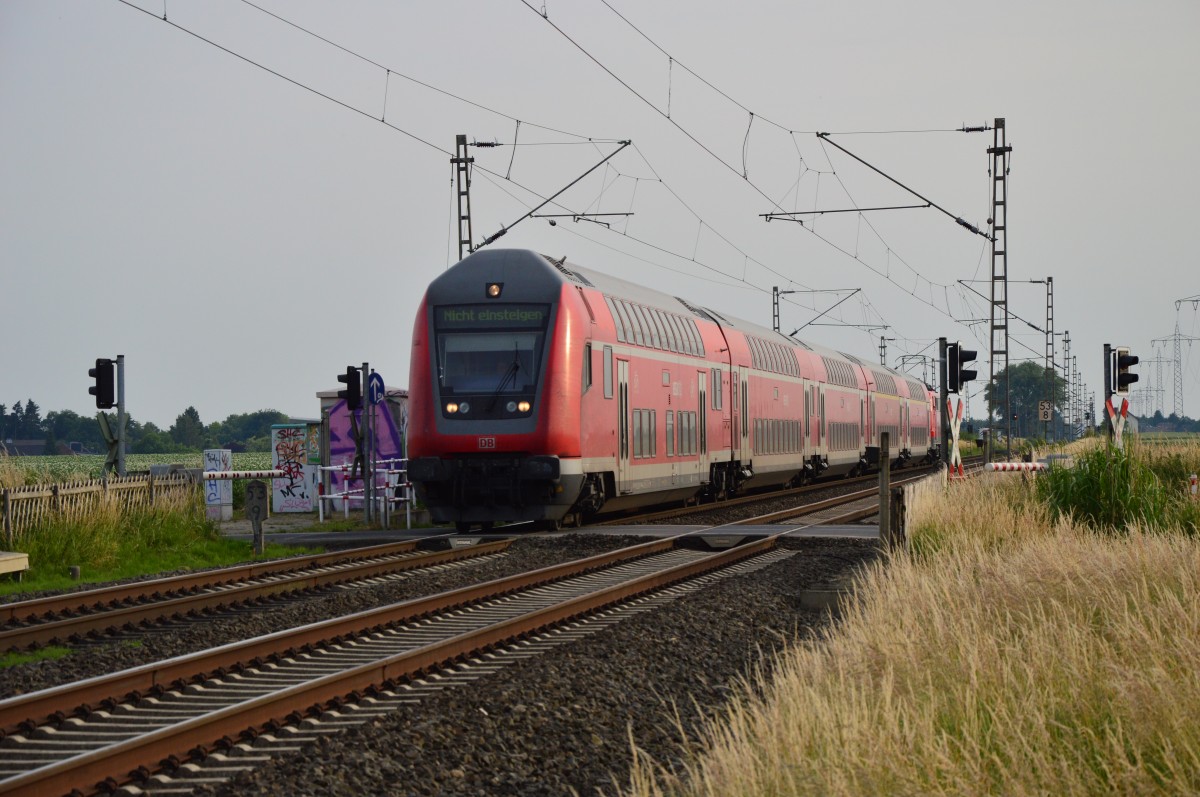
(483, 170)
(672, 60)
(692, 137)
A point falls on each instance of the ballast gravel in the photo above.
(560, 723)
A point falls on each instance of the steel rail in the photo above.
(23, 712)
(830, 503)
(741, 500)
(68, 627)
(98, 599)
(264, 712)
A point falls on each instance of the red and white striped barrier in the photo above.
(221, 475)
(1005, 467)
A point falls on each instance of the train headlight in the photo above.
(451, 408)
(523, 406)
(494, 289)
(464, 408)
(511, 406)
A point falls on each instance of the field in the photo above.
(51, 469)
(1040, 638)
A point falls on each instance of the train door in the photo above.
(702, 424)
(735, 434)
(821, 433)
(745, 405)
(623, 485)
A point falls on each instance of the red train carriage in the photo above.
(541, 390)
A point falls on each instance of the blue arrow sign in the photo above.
(375, 388)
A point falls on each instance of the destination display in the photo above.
(477, 316)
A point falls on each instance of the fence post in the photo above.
(8, 529)
(900, 517)
(885, 478)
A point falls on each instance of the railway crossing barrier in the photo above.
(396, 490)
(1008, 467)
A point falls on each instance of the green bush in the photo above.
(1108, 489)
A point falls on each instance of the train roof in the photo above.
(531, 268)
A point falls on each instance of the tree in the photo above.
(188, 431)
(1027, 387)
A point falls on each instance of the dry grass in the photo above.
(1006, 655)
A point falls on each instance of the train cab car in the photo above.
(542, 391)
(489, 436)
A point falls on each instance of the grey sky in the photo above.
(241, 240)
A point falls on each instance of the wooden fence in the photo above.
(27, 507)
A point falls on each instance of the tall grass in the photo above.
(1016, 651)
(111, 544)
(1110, 489)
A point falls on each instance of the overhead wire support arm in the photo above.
(531, 213)
(785, 215)
(958, 219)
(835, 304)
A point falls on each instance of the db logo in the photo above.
(487, 442)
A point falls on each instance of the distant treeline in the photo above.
(58, 429)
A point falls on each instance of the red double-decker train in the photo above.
(543, 391)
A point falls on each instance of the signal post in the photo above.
(954, 376)
(1117, 379)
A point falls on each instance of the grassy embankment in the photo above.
(1041, 638)
(109, 544)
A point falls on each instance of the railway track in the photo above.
(710, 512)
(100, 730)
(89, 613)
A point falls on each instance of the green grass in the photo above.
(1109, 489)
(48, 653)
(111, 546)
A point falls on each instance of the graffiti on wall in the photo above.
(218, 494)
(295, 491)
(391, 425)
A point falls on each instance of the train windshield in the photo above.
(489, 349)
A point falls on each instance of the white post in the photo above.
(218, 494)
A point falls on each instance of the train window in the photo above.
(654, 336)
(666, 378)
(608, 375)
(745, 405)
(639, 325)
(670, 431)
(622, 323)
(717, 397)
(637, 434)
(660, 334)
(672, 332)
(652, 433)
(632, 336)
(648, 327)
(695, 346)
(821, 422)
(641, 330)
(587, 366)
